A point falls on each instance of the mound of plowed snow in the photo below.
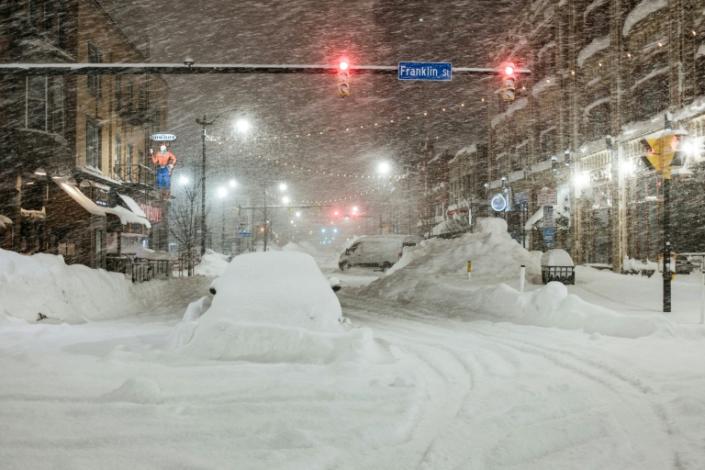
(43, 283)
(433, 276)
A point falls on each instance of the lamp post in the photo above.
(282, 187)
(383, 170)
(222, 194)
(242, 126)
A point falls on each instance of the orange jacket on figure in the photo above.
(164, 159)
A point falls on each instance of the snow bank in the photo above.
(44, 284)
(272, 307)
(212, 264)
(432, 276)
(495, 257)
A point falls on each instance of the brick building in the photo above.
(74, 173)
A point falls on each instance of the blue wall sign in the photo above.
(430, 71)
(498, 202)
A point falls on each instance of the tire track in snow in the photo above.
(617, 383)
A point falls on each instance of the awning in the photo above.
(132, 205)
(5, 222)
(126, 216)
(538, 215)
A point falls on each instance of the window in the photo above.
(36, 109)
(118, 156)
(95, 57)
(56, 109)
(93, 134)
(130, 156)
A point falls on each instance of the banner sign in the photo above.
(162, 137)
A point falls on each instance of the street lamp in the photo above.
(286, 200)
(222, 193)
(384, 168)
(283, 187)
(232, 183)
(184, 180)
(242, 126)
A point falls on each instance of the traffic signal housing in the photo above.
(343, 78)
(509, 82)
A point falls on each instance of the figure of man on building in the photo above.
(165, 161)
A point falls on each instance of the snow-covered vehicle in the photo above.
(376, 251)
(557, 265)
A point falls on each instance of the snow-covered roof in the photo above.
(132, 205)
(641, 11)
(597, 45)
(126, 216)
(97, 172)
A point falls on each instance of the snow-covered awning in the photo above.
(538, 215)
(5, 222)
(126, 216)
(132, 205)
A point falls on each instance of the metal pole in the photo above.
(667, 245)
(266, 227)
(204, 123)
(222, 235)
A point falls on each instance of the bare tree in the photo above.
(184, 226)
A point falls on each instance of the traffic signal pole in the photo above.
(667, 273)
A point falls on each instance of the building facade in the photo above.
(75, 176)
(606, 74)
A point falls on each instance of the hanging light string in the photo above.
(330, 174)
(378, 124)
(347, 198)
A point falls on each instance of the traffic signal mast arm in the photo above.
(192, 68)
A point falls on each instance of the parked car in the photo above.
(376, 251)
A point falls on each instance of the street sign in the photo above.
(245, 234)
(429, 71)
(162, 137)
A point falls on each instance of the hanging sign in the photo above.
(163, 137)
(498, 202)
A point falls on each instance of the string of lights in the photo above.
(378, 124)
(326, 173)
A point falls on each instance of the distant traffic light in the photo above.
(508, 89)
(343, 78)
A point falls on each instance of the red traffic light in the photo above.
(343, 65)
(509, 70)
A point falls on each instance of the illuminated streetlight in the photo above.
(222, 192)
(283, 187)
(184, 180)
(384, 168)
(298, 214)
(243, 126)
(232, 183)
(286, 200)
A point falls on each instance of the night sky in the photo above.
(319, 31)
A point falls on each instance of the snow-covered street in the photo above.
(446, 393)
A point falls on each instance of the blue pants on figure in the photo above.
(163, 178)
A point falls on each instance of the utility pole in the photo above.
(204, 123)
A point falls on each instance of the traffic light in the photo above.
(509, 79)
(343, 78)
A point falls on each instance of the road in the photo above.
(444, 394)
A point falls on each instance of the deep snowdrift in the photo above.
(212, 264)
(271, 307)
(495, 256)
(42, 283)
(432, 275)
